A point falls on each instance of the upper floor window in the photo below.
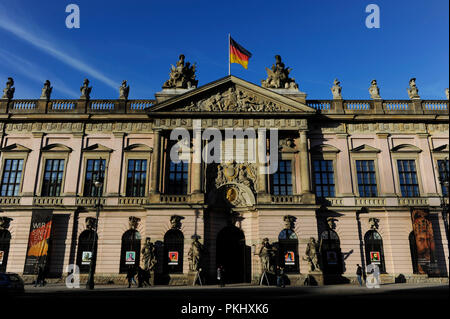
(177, 182)
(53, 176)
(12, 176)
(282, 179)
(136, 177)
(407, 173)
(94, 168)
(324, 178)
(443, 166)
(367, 183)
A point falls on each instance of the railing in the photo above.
(357, 105)
(435, 105)
(330, 201)
(396, 105)
(62, 105)
(23, 105)
(133, 201)
(174, 198)
(89, 201)
(102, 105)
(286, 199)
(412, 201)
(9, 201)
(320, 105)
(370, 201)
(48, 201)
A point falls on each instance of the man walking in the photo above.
(359, 274)
(131, 272)
(221, 276)
(280, 277)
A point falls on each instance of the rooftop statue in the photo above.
(278, 77)
(124, 89)
(413, 91)
(85, 90)
(374, 90)
(182, 76)
(336, 90)
(46, 91)
(8, 91)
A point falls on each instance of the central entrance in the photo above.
(233, 255)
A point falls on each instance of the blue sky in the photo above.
(139, 40)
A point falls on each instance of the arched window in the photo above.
(173, 251)
(85, 249)
(330, 249)
(5, 238)
(374, 249)
(288, 251)
(131, 250)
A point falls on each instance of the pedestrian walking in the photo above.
(359, 274)
(221, 276)
(131, 272)
(280, 277)
(39, 276)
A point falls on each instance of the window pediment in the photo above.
(441, 149)
(97, 148)
(406, 148)
(365, 149)
(324, 148)
(56, 148)
(15, 148)
(138, 148)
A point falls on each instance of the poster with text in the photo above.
(375, 257)
(173, 257)
(86, 257)
(2, 253)
(331, 258)
(38, 240)
(423, 233)
(289, 258)
(130, 257)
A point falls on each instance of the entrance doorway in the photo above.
(233, 255)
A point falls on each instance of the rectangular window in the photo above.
(177, 178)
(282, 179)
(12, 176)
(136, 178)
(53, 175)
(443, 166)
(367, 182)
(93, 170)
(407, 173)
(324, 178)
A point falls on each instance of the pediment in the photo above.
(15, 148)
(406, 148)
(97, 148)
(324, 148)
(138, 148)
(56, 148)
(441, 149)
(232, 95)
(365, 149)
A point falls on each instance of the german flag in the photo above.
(238, 54)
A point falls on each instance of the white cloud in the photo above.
(33, 72)
(8, 25)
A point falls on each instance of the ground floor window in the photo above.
(85, 250)
(173, 251)
(374, 249)
(288, 251)
(130, 251)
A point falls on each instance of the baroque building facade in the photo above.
(357, 182)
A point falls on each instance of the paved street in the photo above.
(326, 300)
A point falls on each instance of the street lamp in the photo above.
(98, 183)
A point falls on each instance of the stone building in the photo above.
(359, 177)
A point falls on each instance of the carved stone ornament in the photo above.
(148, 252)
(124, 89)
(413, 91)
(46, 91)
(336, 90)
(447, 93)
(373, 223)
(133, 222)
(312, 255)
(195, 255)
(267, 254)
(289, 222)
(5, 222)
(278, 77)
(182, 76)
(232, 100)
(8, 91)
(85, 90)
(175, 221)
(374, 90)
(245, 173)
(331, 223)
(286, 144)
(91, 223)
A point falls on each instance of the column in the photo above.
(304, 163)
(154, 181)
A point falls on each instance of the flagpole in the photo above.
(229, 64)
